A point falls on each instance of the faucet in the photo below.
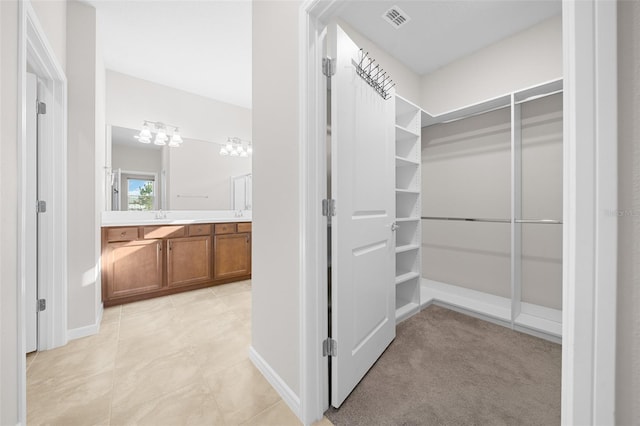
(238, 213)
(161, 215)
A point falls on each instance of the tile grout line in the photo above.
(263, 411)
(113, 371)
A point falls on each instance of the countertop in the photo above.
(173, 217)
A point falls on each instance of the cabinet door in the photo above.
(133, 267)
(188, 260)
(232, 255)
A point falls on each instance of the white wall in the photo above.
(52, 15)
(408, 83)
(131, 100)
(466, 172)
(137, 159)
(628, 334)
(99, 161)
(200, 178)
(8, 212)
(84, 279)
(276, 237)
(196, 168)
(525, 59)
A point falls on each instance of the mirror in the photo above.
(193, 176)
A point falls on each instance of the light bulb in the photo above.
(229, 147)
(160, 140)
(234, 153)
(143, 139)
(145, 133)
(250, 149)
(176, 138)
(244, 154)
(173, 143)
(223, 151)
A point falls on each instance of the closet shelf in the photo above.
(406, 310)
(408, 166)
(407, 247)
(406, 276)
(407, 219)
(404, 134)
(405, 107)
(407, 191)
(535, 323)
(405, 162)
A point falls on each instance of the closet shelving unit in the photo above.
(512, 312)
(408, 208)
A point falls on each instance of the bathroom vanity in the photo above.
(146, 257)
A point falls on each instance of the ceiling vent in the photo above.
(396, 17)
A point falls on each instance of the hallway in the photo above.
(179, 359)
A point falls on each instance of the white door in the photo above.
(31, 228)
(362, 237)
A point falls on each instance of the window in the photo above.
(141, 192)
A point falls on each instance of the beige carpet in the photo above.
(445, 368)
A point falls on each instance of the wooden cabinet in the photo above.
(232, 255)
(188, 260)
(133, 267)
(149, 261)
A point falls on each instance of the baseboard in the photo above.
(88, 330)
(285, 392)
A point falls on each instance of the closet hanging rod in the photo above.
(539, 96)
(487, 220)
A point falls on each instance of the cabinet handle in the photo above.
(123, 234)
(169, 245)
(247, 239)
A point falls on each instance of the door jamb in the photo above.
(588, 381)
(34, 50)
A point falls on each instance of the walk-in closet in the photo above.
(477, 150)
(491, 209)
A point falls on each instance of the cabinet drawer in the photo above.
(225, 228)
(164, 231)
(122, 234)
(196, 230)
(244, 227)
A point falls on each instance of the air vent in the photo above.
(396, 17)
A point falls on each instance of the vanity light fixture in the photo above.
(162, 137)
(236, 147)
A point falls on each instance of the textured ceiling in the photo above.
(203, 47)
(440, 32)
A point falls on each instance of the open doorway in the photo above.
(571, 401)
(42, 203)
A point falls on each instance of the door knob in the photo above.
(394, 226)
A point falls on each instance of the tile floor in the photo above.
(179, 359)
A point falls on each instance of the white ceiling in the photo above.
(442, 31)
(202, 47)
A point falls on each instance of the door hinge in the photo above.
(41, 206)
(328, 207)
(328, 66)
(329, 347)
(42, 305)
(41, 108)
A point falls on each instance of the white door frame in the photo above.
(35, 51)
(590, 194)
